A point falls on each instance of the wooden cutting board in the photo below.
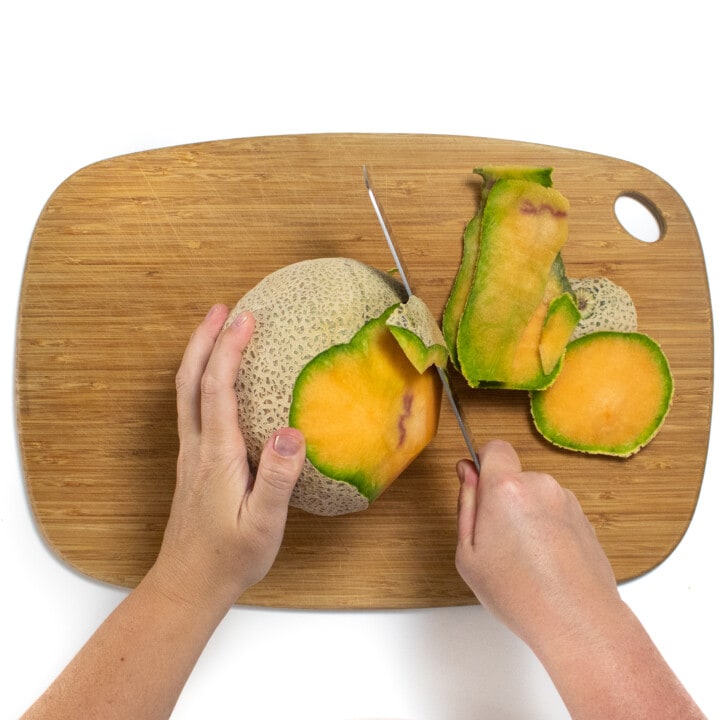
(129, 253)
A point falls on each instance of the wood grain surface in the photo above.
(130, 252)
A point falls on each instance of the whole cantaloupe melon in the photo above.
(324, 358)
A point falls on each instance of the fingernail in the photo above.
(212, 310)
(462, 471)
(286, 445)
(241, 319)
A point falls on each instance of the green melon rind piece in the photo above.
(461, 286)
(540, 175)
(414, 327)
(471, 246)
(559, 276)
(497, 309)
(541, 381)
(629, 448)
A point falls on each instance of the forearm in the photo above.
(136, 663)
(609, 668)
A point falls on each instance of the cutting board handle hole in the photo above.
(639, 217)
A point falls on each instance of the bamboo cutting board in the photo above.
(129, 253)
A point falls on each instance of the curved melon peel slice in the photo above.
(540, 348)
(461, 286)
(524, 227)
(611, 397)
(417, 333)
(472, 236)
(491, 173)
(365, 411)
(560, 322)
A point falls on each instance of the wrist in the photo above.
(183, 586)
(605, 666)
(568, 631)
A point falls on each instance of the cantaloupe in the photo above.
(519, 231)
(611, 397)
(324, 358)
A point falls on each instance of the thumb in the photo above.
(278, 470)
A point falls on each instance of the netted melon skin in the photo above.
(301, 310)
(603, 306)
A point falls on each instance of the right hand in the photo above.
(527, 550)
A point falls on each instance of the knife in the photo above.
(401, 268)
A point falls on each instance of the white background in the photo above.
(83, 81)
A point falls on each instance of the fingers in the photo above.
(498, 458)
(218, 404)
(195, 359)
(278, 470)
(467, 502)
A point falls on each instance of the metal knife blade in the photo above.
(401, 268)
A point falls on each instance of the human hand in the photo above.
(527, 550)
(225, 528)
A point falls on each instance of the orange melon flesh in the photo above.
(525, 367)
(611, 396)
(542, 343)
(365, 411)
(562, 317)
(416, 332)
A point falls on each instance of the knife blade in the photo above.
(402, 271)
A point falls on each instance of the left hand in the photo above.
(225, 527)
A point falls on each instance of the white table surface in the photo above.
(81, 83)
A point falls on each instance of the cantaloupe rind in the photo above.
(540, 175)
(472, 236)
(418, 334)
(603, 305)
(524, 227)
(461, 286)
(611, 397)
